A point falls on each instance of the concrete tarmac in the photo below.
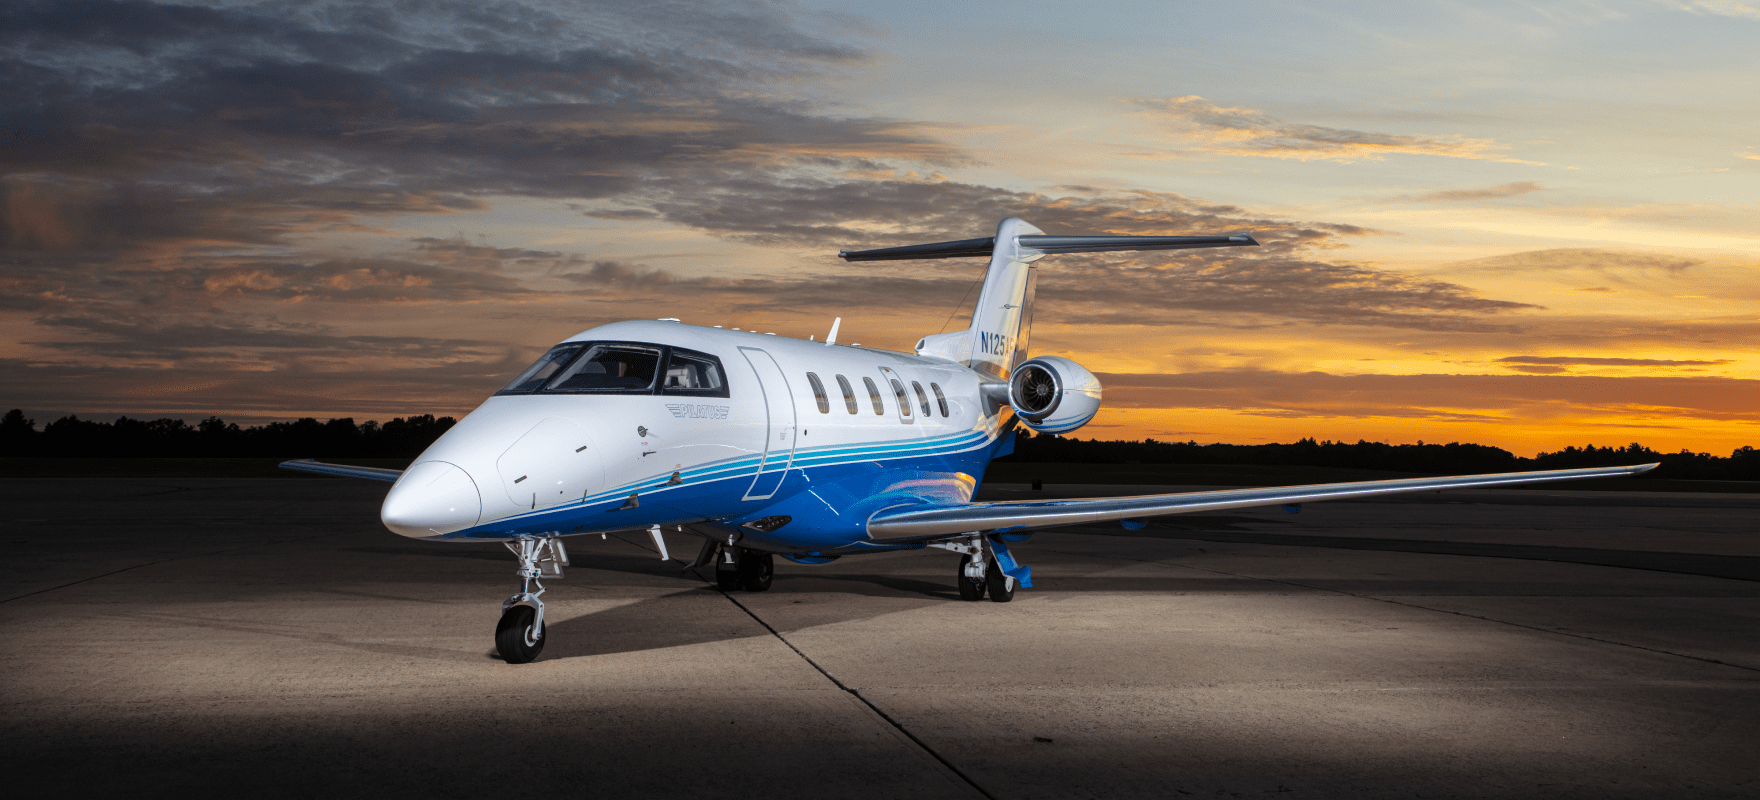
(263, 637)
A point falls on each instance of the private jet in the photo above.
(768, 446)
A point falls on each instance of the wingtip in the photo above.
(1645, 467)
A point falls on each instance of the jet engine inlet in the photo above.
(1053, 395)
(1034, 392)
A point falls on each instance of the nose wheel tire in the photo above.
(969, 588)
(518, 637)
(1001, 588)
(755, 571)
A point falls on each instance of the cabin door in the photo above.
(779, 432)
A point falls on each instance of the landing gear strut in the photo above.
(971, 577)
(519, 637)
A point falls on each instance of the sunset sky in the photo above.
(1518, 224)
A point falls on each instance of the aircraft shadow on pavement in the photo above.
(672, 620)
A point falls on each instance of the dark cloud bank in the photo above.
(164, 166)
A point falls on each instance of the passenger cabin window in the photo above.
(849, 395)
(904, 403)
(940, 399)
(819, 393)
(621, 368)
(921, 398)
(874, 395)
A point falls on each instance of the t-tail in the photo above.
(1003, 318)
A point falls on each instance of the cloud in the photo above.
(127, 123)
(828, 212)
(1538, 369)
(1610, 362)
(1437, 396)
(1563, 259)
(1486, 193)
(176, 176)
(240, 342)
(1739, 9)
(1268, 292)
(1247, 132)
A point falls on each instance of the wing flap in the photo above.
(915, 521)
(345, 470)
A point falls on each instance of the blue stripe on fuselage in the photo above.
(713, 491)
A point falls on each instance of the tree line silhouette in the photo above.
(70, 436)
(1452, 458)
(406, 437)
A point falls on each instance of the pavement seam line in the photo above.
(835, 682)
(1425, 608)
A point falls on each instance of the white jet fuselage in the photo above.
(774, 447)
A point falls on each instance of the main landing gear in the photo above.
(519, 637)
(979, 573)
(740, 568)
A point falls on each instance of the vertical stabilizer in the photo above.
(1001, 320)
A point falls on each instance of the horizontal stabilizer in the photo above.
(345, 470)
(976, 248)
(1100, 244)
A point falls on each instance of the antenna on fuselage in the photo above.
(831, 338)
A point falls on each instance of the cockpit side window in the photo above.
(693, 374)
(546, 366)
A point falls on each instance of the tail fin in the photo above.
(997, 338)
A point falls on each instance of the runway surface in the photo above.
(266, 637)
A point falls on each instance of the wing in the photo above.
(370, 473)
(909, 522)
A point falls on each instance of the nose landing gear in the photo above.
(519, 637)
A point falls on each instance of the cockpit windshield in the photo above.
(547, 365)
(609, 367)
(621, 368)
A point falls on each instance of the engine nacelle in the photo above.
(1054, 395)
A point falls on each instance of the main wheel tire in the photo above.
(756, 570)
(969, 588)
(999, 584)
(518, 638)
(727, 580)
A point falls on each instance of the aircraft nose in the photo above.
(432, 497)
